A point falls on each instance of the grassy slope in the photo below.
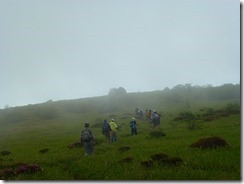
(25, 138)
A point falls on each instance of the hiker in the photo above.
(146, 113)
(88, 140)
(113, 127)
(149, 113)
(133, 126)
(136, 110)
(106, 130)
(139, 113)
(155, 118)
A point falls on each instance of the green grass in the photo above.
(25, 138)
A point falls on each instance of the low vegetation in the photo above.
(198, 137)
(209, 143)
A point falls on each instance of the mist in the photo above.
(76, 49)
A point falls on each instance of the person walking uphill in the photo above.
(106, 130)
(133, 126)
(87, 138)
(113, 135)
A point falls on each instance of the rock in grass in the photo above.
(44, 150)
(209, 143)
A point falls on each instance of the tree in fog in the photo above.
(117, 91)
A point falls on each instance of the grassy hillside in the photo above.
(39, 135)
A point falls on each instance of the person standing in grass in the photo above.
(113, 127)
(87, 138)
(106, 130)
(133, 126)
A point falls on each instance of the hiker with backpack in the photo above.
(133, 126)
(113, 134)
(88, 139)
(106, 130)
(155, 118)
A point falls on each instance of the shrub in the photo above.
(6, 173)
(117, 91)
(189, 118)
(4, 153)
(165, 159)
(159, 157)
(209, 142)
(16, 169)
(157, 134)
(233, 108)
(27, 168)
(44, 150)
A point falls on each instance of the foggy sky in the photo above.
(61, 49)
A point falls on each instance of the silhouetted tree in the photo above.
(117, 91)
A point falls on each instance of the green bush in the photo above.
(233, 108)
(189, 118)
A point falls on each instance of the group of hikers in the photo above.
(109, 130)
(151, 116)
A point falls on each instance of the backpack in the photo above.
(106, 127)
(86, 136)
(132, 124)
(156, 116)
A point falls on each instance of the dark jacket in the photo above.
(133, 124)
(105, 128)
